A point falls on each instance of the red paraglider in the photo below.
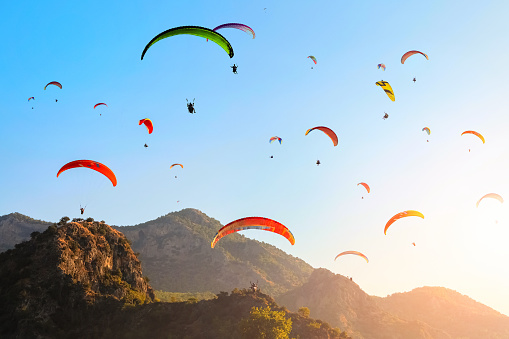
(148, 124)
(96, 166)
(258, 223)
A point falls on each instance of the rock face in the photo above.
(16, 227)
(339, 301)
(60, 274)
(176, 255)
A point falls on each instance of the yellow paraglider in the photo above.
(400, 215)
(387, 89)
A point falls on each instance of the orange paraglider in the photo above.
(490, 195)
(330, 133)
(400, 215)
(352, 252)
(258, 223)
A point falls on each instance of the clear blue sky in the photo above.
(93, 48)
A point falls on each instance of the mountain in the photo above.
(16, 227)
(82, 280)
(340, 301)
(448, 310)
(175, 247)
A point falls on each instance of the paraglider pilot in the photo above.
(82, 209)
(145, 145)
(385, 116)
(234, 68)
(414, 80)
(190, 107)
(317, 162)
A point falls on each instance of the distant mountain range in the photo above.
(175, 254)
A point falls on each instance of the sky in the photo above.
(93, 49)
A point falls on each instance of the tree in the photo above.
(304, 312)
(266, 324)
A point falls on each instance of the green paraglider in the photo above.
(192, 30)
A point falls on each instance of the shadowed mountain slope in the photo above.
(180, 242)
(16, 227)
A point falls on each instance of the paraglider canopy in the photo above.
(330, 133)
(409, 213)
(312, 58)
(258, 223)
(387, 89)
(271, 140)
(148, 124)
(56, 83)
(366, 186)
(101, 103)
(96, 166)
(192, 30)
(242, 27)
(409, 54)
(476, 134)
(492, 196)
(352, 252)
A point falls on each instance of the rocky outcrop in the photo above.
(60, 274)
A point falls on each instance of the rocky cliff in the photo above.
(59, 275)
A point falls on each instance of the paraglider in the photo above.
(190, 107)
(409, 54)
(387, 89)
(31, 98)
(413, 243)
(271, 140)
(491, 195)
(192, 30)
(476, 134)
(242, 27)
(258, 223)
(56, 83)
(145, 145)
(409, 213)
(330, 133)
(101, 103)
(148, 124)
(427, 130)
(352, 252)
(94, 165)
(414, 80)
(312, 58)
(318, 162)
(366, 186)
(381, 66)
(181, 166)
